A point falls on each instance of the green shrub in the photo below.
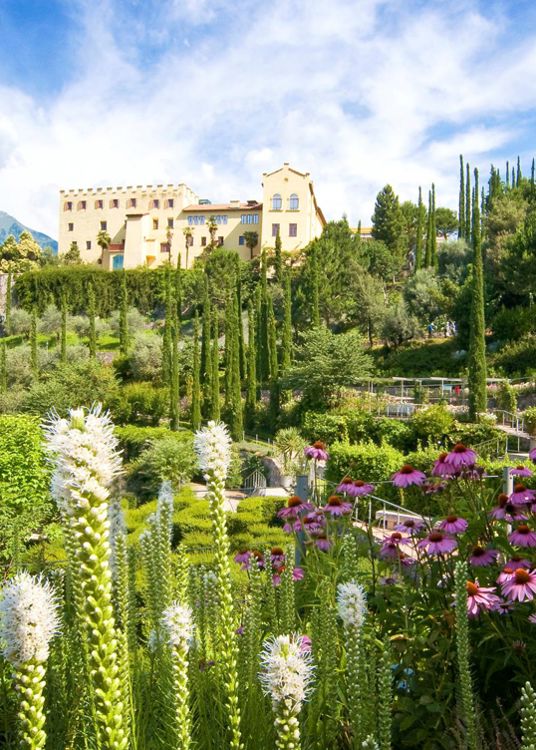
(133, 439)
(141, 403)
(424, 458)
(432, 425)
(163, 459)
(393, 431)
(266, 507)
(507, 397)
(359, 424)
(518, 358)
(529, 415)
(25, 503)
(325, 427)
(472, 434)
(367, 461)
(514, 323)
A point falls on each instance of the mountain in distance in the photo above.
(10, 225)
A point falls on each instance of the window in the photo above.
(276, 202)
(220, 219)
(203, 241)
(292, 230)
(88, 244)
(132, 202)
(170, 203)
(293, 202)
(170, 223)
(71, 227)
(164, 247)
(114, 203)
(155, 223)
(81, 205)
(104, 226)
(241, 240)
(99, 204)
(194, 220)
(220, 241)
(250, 218)
(155, 203)
(275, 230)
(68, 206)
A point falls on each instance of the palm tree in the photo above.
(251, 239)
(212, 229)
(188, 233)
(103, 241)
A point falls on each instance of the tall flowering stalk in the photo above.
(178, 629)
(352, 609)
(213, 447)
(528, 717)
(286, 678)
(462, 652)
(385, 699)
(28, 621)
(86, 461)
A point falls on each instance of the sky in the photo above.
(213, 93)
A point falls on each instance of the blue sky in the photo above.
(214, 92)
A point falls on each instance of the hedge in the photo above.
(367, 461)
(146, 288)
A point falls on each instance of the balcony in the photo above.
(116, 247)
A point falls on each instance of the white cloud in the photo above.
(358, 94)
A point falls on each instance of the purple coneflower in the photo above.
(453, 525)
(516, 561)
(521, 587)
(430, 487)
(297, 574)
(388, 580)
(314, 522)
(442, 468)
(317, 451)
(503, 607)
(506, 574)
(437, 543)
(460, 457)
(522, 495)
(410, 526)
(322, 542)
(506, 511)
(532, 619)
(480, 557)
(480, 598)
(306, 644)
(520, 471)
(337, 507)
(295, 505)
(523, 536)
(532, 455)
(407, 476)
(390, 546)
(278, 557)
(242, 558)
(291, 527)
(345, 484)
(359, 488)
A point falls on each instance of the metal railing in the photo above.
(508, 419)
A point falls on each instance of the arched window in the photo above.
(293, 202)
(276, 202)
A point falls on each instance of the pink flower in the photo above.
(317, 451)
(442, 468)
(521, 495)
(520, 471)
(523, 536)
(502, 607)
(407, 476)
(297, 574)
(521, 587)
(390, 547)
(345, 484)
(337, 507)
(410, 526)
(306, 644)
(506, 511)
(323, 543)
(506, 574)
(360, 488)
(314, 522)
(480, 599)
(460, 457)
(532, 455)
(278, 557)
(481, 557)
(532, 619)
(295, 505)
(437, 543)
(516, 561)
(243, 558)
(453, 525)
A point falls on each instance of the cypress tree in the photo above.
(241, 347)
(167, 344)
(513, 177)
(3, 367)
(507, 175)
(228, 350)
(420, 231)
(258, 331)
(532, 175)
(274, 366)
(428, 252)
(215, 375)
(477, 342)
(63, 332)
(123, 316)
(461, 202)
(286, 334)
(251, 392)
(92, 340)
(315, 291)
(518, 174)
(34, 364)
(174, 385)
(9, 297)
(262, 328)
(433, 233)
(196, 383)
(467, 204)
(278, 260)
(206, 364)
(178, 290)
(236, 423)
(483, 202)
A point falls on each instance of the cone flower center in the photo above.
(407, 469)
(522, 576)
(436, 536)
(294, 501)
(472, 588)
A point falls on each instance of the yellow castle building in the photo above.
(127, 227)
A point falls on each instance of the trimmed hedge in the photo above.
(367, 461)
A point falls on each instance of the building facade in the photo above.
(146, 226)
